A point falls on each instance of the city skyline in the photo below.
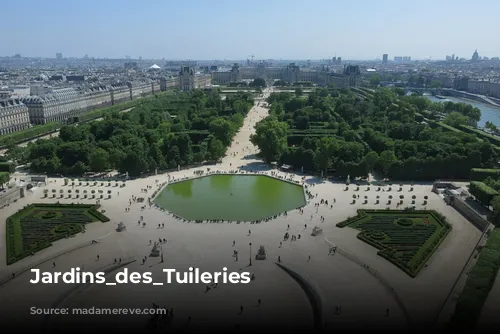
(268, 30)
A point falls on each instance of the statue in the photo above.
(121, 227)
(316, 231)
(156, 171)
(261, 253)
(178, 168)
(321, 174)
(302, 169)
(348, 180)
(155, 252)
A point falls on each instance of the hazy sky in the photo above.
(223, 29)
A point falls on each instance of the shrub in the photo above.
(482, 192)
(481, 174)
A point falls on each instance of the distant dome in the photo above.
(155, 67)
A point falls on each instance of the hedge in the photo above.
(8, 167)
(481, 174)
(33, 132)
(481, 134)
(478, 285)
(482, 192)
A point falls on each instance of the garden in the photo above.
(405, 238)
(36, 226)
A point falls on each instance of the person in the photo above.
(259, 301)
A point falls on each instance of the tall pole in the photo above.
(161, 249)
(250, 244)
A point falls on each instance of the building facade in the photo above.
(14, 116)
(350, 76)
(187, 78)
(62, 104)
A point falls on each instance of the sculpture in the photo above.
(316, 231)
(121, 227)
(348, 179)
(155, 252)
(261, 253)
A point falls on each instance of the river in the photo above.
(488, 112)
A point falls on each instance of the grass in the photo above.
(478, 285)
(36, 226)
(405, 238)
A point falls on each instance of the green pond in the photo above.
(230, 197)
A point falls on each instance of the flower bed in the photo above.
(405, 238)
(36, 226)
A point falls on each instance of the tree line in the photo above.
(165, 132)
(340, 133)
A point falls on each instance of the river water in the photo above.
(488, 112)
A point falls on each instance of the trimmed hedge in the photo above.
(478, 285)
(482, 192)
(481, 174)
(406, 255)
(481, 134)
(33, 132)
(40, 232)
(8, 167)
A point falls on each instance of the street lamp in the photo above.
(250, 244)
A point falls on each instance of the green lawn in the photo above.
(406, 238)
(36, 226)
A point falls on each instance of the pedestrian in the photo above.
(53, 264)
(259, 301)
(97, 257)
(309, 259)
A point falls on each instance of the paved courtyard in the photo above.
(340, 280)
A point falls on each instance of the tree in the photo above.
(387, 158)
(4, 178)
(371, 160)
(299, 92)
(259, 82)
(271, 138)
(99, 160)
(455, 119)
(217, 149)
(323, 156)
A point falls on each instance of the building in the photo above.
(385, 58)
(59, 56)
(14, 116)
(58, 105)
(475, 56)
(187, 78)
(292, 73)
(227, 77)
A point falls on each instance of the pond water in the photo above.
(230, 197)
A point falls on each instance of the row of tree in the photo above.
(341, 132)
(167, 131)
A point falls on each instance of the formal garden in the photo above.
(36, 226)
(407, 238)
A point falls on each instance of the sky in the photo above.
(234, 30)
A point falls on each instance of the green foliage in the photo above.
(481, 174)
(405, 238)
(381, 131)
(36, 226)
(8, 167)
(4, 178)
(160, 133)
(478, 285)
(482, 192)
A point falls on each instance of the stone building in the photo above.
(225, 78)
(292, 73)
(14, 116)
(187, 78)
(58, 105)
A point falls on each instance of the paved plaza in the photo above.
(341, 280)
